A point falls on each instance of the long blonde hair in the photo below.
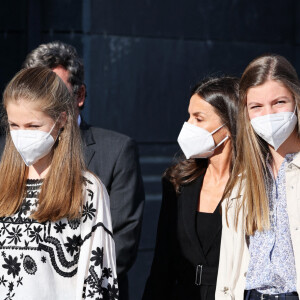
(250, 170)
(61, 192)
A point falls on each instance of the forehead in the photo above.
(22, 110)
(198, 104)
(268, 91)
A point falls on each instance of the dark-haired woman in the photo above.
(185, 263)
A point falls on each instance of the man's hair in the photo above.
(56, 54)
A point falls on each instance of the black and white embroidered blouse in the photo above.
(67, 260)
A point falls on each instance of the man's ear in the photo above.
(81, 96)
(62, 119)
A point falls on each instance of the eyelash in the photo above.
(31, 126)
(278, 102)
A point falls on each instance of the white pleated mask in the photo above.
(196, 142)
(275, 128)
(32, 145)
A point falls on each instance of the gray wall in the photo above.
(141, 58)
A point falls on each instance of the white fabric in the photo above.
(63, 260)
(275, 128)
(234, 253)
(196, 142)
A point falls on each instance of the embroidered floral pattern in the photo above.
(29, 265)
(74, 224)
(12, 265)
(59, 227)
(73, 244)
(28, 250)
(98, 256)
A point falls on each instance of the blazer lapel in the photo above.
(188, 205)
(88, 140)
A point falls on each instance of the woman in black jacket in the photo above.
(187, 248)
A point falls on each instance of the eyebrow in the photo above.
(197, 113)
(28, 123)
(253, 102)
(275, 99)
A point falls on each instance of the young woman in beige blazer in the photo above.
(260, 247)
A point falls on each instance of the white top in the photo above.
(63, 260)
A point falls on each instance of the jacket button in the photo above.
(245, 274)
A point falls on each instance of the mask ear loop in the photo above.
(49, 133)
(294, 112)
(226, 138)
(217, 129)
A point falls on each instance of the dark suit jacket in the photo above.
(178, 250)
(113, 157)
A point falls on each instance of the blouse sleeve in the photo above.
(97, 277)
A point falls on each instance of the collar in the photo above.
(295, 160)
(289, 157)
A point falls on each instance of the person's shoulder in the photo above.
(92, 181)
(110, 134)
(235, 199)
(103, 133)
(96, 199)
(93, 185)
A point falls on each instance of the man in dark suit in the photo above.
(110, 155)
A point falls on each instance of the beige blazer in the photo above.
(234, 253)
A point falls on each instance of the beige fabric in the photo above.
(234, 254)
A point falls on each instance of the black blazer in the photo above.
(178, 250)
(113, 157)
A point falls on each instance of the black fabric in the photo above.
(205, 224)
(178, 250)
(255, 295)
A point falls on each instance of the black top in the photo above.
(207, 223)
(178, 250)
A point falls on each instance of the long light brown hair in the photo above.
(222, 94)
(61, 192)
(250, 170)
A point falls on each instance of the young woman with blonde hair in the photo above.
(56, 237)
(260, 248)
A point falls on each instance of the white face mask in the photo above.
(196, 142)
(275, 128)
(32, 144)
